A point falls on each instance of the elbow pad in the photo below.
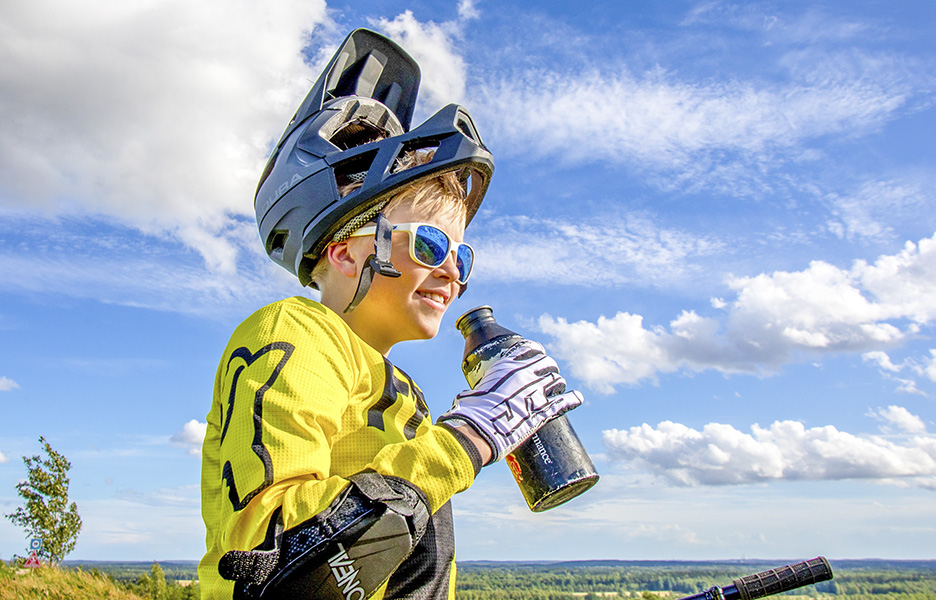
(346, 552)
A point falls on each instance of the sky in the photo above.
(718, 217)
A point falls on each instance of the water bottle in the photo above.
(551, 466)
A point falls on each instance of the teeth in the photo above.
(434, 297)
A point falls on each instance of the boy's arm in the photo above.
(480, 445)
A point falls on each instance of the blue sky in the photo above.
(718, 217)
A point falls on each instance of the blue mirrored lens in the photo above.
(430, 246)
(464, 260)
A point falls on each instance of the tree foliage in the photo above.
(47, 514)
(154, 586)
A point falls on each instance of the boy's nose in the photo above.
(449, 267)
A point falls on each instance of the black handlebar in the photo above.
(784, 579)
(774, 581)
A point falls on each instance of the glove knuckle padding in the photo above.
(517, 394)
(527, 354)
(346, 552)
(546, 370)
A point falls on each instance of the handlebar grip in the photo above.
(784, 579)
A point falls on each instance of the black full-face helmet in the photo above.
(352, 127)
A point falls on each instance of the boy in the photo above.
(323, 475)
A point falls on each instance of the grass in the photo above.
(49, 583)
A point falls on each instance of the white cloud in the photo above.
(775, 319)
(866, 212)
(115, 265)
(191, 437)
(719, 454)
(467, 10)
(3, 458)
(157, 115)
(685, 128)
(890, 370)
(929, 366)
(727, 129)
(7, 384)
(433, 46)
(901, 418)
(882, 360)
(904, 284)
(702, 522)
(632, 249)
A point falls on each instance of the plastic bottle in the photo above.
(552, 466)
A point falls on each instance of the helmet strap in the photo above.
(377, 263)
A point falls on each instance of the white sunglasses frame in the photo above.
(411, 229)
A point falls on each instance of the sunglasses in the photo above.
(429, 246)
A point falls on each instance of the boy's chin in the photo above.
(428, 331)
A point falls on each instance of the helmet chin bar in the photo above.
(378, 263)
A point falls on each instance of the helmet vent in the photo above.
(356, 133)
(350, 174)
(414, 153)
(465, 125)
(276, 244)
(359, 121)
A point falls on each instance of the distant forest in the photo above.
(644, 580)
(854, 580)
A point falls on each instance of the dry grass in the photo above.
(49, 583)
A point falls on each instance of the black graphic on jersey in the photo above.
(393, 388)
(257, 446)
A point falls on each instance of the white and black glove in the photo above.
(516, 396)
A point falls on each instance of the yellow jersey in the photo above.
(300, 403)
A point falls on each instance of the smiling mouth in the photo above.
(433, 296)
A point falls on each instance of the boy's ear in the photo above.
(341, 258)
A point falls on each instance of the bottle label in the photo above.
(541, 449)
(514, 467)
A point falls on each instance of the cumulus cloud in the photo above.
(157, 115)
(191, 437)
(3, 458)
(719, 454)
(7, 384)
(434, 47)
(774, 319)
(901, 418)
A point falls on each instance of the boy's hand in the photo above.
(516, 396)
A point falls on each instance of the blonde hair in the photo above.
(440, 193)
